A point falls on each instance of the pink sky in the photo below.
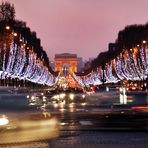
(84, 27)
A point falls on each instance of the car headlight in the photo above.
(83, 96)
(3, 121)
(62, 96)
(71, 96)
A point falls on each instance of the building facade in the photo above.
(65, 63)
(80, 64)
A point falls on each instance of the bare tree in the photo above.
(7, 11)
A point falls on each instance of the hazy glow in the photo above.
(37, 129)
(3, 121)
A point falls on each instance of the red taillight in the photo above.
(133, 88)
(139, 107)
(129, 97)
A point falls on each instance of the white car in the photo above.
(27, 127)
(20, 122)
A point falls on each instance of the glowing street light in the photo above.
(15, 34)
(144, 42)
(7, 27)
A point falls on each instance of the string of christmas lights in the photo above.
(19, 63)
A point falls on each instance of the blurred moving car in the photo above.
(26, 128)
(142, 108)
(134, 88)
(20, 122)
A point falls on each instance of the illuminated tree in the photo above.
(21, 54)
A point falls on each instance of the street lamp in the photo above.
(138, 45)
(15, 34)
(8, 27)
(143, 41)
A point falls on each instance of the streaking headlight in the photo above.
(33, 98)
(62, 96)
(3, 121)
(83, 96)
(71, 96)
(55, 97)
(44, 99)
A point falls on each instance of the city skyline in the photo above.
(78, 26)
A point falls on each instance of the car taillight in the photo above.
(140, 107)
(133, 88)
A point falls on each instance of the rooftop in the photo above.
(66, 55)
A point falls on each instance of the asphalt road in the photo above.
(101, 121)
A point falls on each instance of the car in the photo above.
(133, 88)
(27, 127)
(21, 122)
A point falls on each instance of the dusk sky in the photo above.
(84, 27)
